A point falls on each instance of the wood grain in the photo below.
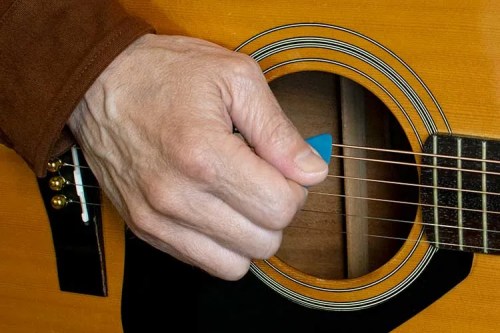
(448, 48)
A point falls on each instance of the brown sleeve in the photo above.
(51, 51)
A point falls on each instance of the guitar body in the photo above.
(31, 300)
(433, 65)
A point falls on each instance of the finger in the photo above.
(258, 116)
(192, 247)
(213, 217)
(223, 165)
(255, 188)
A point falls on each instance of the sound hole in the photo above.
(358, 218)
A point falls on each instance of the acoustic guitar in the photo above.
(402, 236)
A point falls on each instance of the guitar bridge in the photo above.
(72, 200)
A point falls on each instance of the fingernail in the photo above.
(310, 161)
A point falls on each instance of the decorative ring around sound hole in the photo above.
(327, 48)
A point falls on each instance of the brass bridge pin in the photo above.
(54, 165)
(57, 183)
(59, 201)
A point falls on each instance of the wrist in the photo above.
(120, 64)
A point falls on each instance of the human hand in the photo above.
(157, 130)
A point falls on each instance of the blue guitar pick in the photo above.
(322, 143)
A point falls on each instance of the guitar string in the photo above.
(360, 159)
(381, 181)
(482, 248)
(368, 217)
(400, 202)
(402, 221)
(385, 181)
(416, 185)
(386, 150)
(365, 159)
(415, 203)
(453, 245)
(386, 219)
(395, 183)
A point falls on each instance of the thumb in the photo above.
(261, 121)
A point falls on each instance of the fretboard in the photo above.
(460, 193)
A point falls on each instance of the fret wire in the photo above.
(435, 192)
(484, 197)
(459, 195)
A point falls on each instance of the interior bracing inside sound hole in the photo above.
(359, 217)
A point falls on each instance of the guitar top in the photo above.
(419, 77)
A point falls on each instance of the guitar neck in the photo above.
(461, 193)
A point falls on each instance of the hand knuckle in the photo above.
(198, 164)
(280, 132)
(141, 221)
(236, 269)
(283, 212)
(270, 247)
(160, 197)
(245, 65)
